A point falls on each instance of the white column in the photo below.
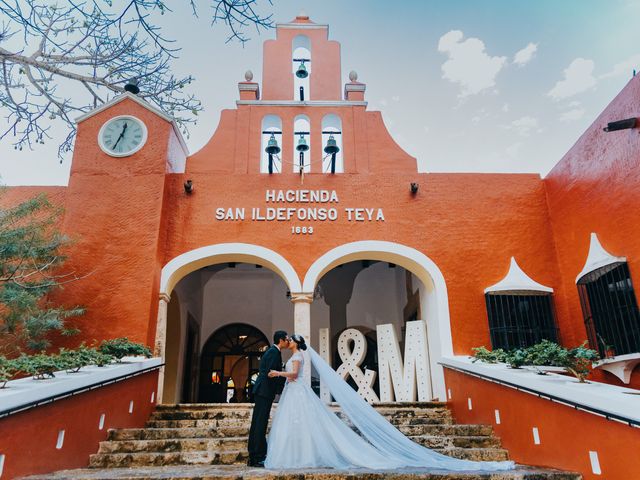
(161, 339)
(302, 321)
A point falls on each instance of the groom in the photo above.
(264, 391)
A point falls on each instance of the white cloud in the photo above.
(468, 64)
(524, 56)
(383, 102)
(524, 126)
(578, 78)
(625, 67)
(513, 150)
(395, 98)
(426, 129)
(505, 107)
(573, 114)
(574, 104)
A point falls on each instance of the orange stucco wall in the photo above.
(566, 435)
(594, 188)
(28, 439)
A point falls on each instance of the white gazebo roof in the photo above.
(597, 258)
(517, 281)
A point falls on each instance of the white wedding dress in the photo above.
(305, 433)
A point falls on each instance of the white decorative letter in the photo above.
(399, 379)
(351, 360)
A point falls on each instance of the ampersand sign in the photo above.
(351, 361)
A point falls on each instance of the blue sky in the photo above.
(465, 86)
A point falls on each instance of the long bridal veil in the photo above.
(388, 440)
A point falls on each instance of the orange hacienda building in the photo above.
(302, 213)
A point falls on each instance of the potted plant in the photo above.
(122, 347)
(546, 355)
(481, 354)
(7, 369)
(40, 366)
(579, 360)
(516, 358)
(608, 350)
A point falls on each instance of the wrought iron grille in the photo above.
(522, 320)
(610, 310)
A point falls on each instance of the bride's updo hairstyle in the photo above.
(299, 339)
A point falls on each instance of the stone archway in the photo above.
(188, 262)
(434, 298)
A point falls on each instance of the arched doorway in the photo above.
(218, 285)
(432, 293)
(229, 363)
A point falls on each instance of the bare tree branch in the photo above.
(98, 47)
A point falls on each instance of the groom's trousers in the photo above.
(258, 432)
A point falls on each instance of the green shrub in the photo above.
(579, 361)
(516, 358)
(39, 366)
(547, 353)
(481, 354)
(122, 347)
(8, 369)
(73, 360)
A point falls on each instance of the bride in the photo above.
(306, 434)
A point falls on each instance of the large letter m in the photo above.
(413, 377)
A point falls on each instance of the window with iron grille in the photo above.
(610, 310)
(520, 320)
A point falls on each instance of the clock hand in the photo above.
(121, 135)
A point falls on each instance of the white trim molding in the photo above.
(517, 281)
(142, 103)
(597, 258)
(434, 295)
(193, 260)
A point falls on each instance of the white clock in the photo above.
(122, 136)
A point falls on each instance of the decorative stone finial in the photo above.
(353, 75)
(302, 15)
(248, 75)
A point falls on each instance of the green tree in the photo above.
(31, 257)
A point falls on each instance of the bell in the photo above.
(332, 146)
(302, 71)
(272, 146)
(302, 144)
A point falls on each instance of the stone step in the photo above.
(218, 432)
(235, 472)
(174, 445)
(214, 414)
(235, 422)
(240, 406)
(440, 441)
(172, 433)
(144, 459)
(228, 457)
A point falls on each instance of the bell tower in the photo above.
(301, 64)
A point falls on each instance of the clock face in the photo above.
(122, 136)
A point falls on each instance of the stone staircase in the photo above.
(209, 441)
(208, 434)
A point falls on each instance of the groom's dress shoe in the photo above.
(253, 463)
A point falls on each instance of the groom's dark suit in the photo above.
(264, 390)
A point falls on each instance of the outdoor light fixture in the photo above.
(332, 149)
(132, 86)
(188, 187)
(272, 149)
(301, 93)
(621, 125)
(414, 188)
